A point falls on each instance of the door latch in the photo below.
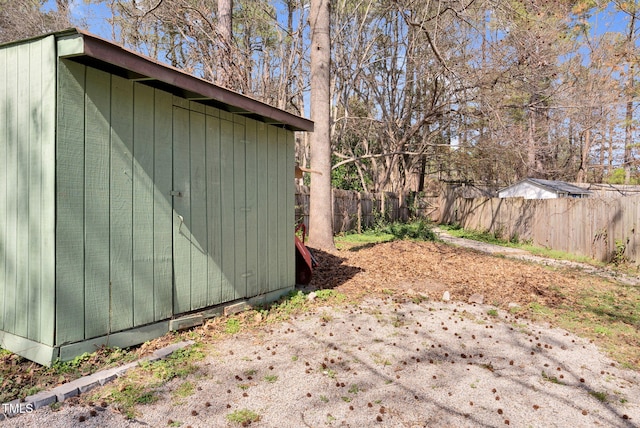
(176, 193)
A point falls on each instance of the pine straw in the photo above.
(430, 269)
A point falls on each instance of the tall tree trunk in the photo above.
(320, 210)
(585, 149)
(531, 146)
(628, 125)
(225, 8)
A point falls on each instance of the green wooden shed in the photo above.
(134, 198)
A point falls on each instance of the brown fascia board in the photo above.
(108, 52)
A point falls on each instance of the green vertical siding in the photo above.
(143, 176)
(236, 236)
(4, 130)
(48, 174)
(22, 189)
(144, 254)
(92, 241)
(273, 219)
(227, 211)
(114, 228)
(199, 218)
(251, 208)
(289, 209)
(214, 207)
(8, 208)
(121, 204)
(283, 215)
(70, 220)
(182, 215)
(96, 137)
(162, 206)
(239, 208)
(34, 198)
(262, 208)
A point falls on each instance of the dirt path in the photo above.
(390, 364)
(520, 254)
(395, 355)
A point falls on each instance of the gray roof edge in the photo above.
(559, 186)
(549, 185)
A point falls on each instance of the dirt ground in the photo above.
(395, 355)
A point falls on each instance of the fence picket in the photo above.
(589, 226)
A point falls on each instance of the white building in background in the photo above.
(536, 188)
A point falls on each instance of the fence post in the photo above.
(359, 212)
(333, 211)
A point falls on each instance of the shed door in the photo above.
(198, 233)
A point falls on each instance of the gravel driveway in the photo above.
(389, 363)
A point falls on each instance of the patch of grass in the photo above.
(416, 230)
(243, 417)
(608, 314)
(419, 230)
(379, 359)
(324, 399)
(539, 309)
(139, 385)
(129, 394)
(185, 389)
(362, 240)
(602, 330)
(346, 399)
(492, 312)
(600, 396)
(398, 322)
(419, 298)
(270, 378)
(551, 379)
(331, 373)
(515, 310)
(326, 318)
(495, 238)
(72, 365)
(476, 235)
(232, 326)
(31, 391)
(354, 389)
(330, 295)
(297, 302)
(178, 364)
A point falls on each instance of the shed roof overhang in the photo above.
(88, 49)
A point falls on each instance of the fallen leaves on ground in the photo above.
(431, 268)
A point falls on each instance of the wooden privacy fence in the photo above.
(601, 228)
(360, 210)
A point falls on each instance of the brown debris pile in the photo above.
(430, 269)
